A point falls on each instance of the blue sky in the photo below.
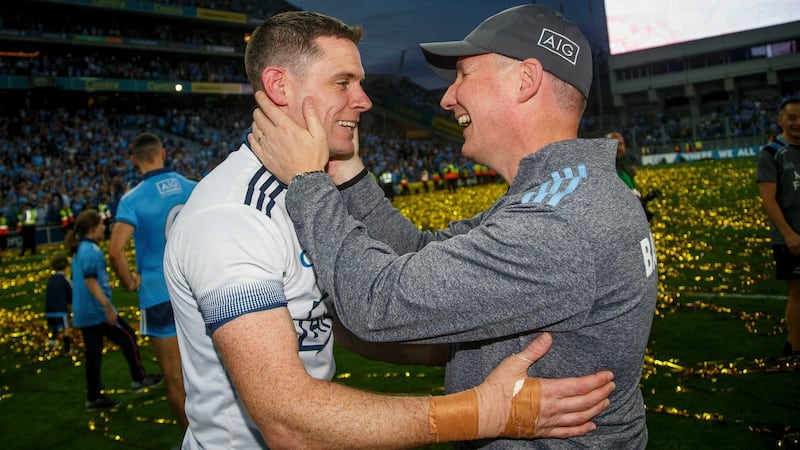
(394, 27)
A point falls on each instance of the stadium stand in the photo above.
(720, 90)
(77, 84)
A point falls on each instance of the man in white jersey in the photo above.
(256, 333)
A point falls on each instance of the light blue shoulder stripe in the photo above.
(562, 184)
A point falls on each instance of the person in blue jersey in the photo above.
(566, 250)
(255, 331)
(146, 213)
(95, 315)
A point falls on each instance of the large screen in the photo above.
(637, 25)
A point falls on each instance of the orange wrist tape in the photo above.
(521, 423)
(454, 417)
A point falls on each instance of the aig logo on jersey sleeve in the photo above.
(560, 45)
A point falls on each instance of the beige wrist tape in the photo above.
(521, 423)
(454, 417)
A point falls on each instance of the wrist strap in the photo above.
(454, 417)
(525, 409)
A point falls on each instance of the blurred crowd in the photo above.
(56, 156)
(79, 157)
(671, 127)
(749, 116)
(59, 153)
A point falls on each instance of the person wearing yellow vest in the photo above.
(451, 177)
(436, 180)
(4, 231)
(27, 222)
(67, 218)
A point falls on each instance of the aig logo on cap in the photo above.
(560, 45)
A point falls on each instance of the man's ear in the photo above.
(531, 74)
(274, 80)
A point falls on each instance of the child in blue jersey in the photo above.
(94, 313)
(146, 213)
(58, 298)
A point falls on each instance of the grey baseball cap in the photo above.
(521, 32)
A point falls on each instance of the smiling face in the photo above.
(789, 121)
(334, 81)
(478, 99)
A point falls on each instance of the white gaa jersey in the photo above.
(231, 251)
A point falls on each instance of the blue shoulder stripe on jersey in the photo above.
(222, 305)
(551, 192)
(278, 188)
(251, 185)
(262, 187)
(244, 137)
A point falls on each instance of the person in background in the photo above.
(26, 224)
(146, 213)
(387, 183)
(58, 300)
(780, 197)
(256, 333)
(627, 173)
(566, 250)
(4, 232)
(104, 209)
(52, 206)
(450, 172)
(94, 313)
(66, 217)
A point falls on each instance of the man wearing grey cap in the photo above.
(566, 250)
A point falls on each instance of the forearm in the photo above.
(97, 293)
(119, 263)
(348, 418)
(507, 404)
(412, 297)
(120, 236)
(367, 203)
(292, 409)
(775, 214)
